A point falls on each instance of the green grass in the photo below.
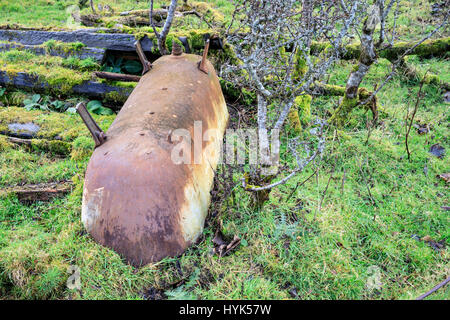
(411, 24)
(40, 13)
(289, 246)
(53, 14)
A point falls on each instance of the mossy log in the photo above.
(96, 54)
(131, 21)
(158, 14)
(46, 125)
(414, 73)
(199, 8)
(91, 89)
(300, 113)
(433, 47)
(437, 47)
(56, 147)
(335, 90)
(142, 17)
(92, 39)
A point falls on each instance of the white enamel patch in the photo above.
(91, 208)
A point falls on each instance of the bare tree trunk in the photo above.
(383, 15)
(262, 129)
(366, 59)
(166, 28)
(92, 6)
(380, 4)
(307, 8)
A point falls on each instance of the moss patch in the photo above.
(53, 146)
(4, 143)
(82, 148)
(53, 125)
(48, 69)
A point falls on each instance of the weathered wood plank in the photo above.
(57, 147)
(90, 89)
(95, 53)
(107, 41)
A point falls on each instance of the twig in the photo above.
(117, 76)
(343, 182)
(300, 184)
(166, 28)
(151, 20)
(92, 6)
(325, 191)
(413, 115)
(329, 179)
(440, 285)
(367, 184)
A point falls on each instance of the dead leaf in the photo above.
(437, 245)
(447, 96)
(217, 240)
(339, 244)
(445, 177)
(437, 150)
(421, 128)
(221, 247)
(293, 292)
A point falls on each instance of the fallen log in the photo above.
(83, 53)
(98, 39)
(107, 41)
(436, 47)
(158, 14)
(134, 21)
(19, 141)
(57, 147)
(335, 90)
(91, 89)
(142, 17)
(41, 192)
(117, 76)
